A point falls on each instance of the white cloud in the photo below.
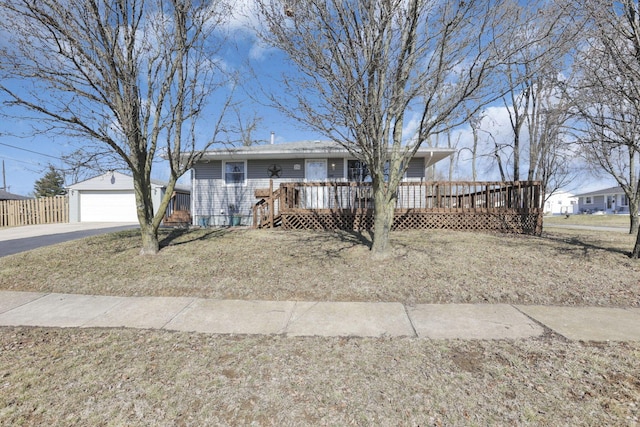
(259, 50)
(244, 17)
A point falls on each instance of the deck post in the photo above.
(271, 204)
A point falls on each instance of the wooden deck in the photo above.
(512, 207)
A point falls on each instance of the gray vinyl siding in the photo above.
(416, 168)
(210, 170)
(597, 204)
(335, 168)
(212, 197)
(259, 169)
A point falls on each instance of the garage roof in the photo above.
(117, 181)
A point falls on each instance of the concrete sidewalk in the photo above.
(301, 318)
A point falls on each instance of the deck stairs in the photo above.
(178, 219)
(266, 212)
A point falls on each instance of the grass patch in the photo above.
(137, 378)
(563, 267)
(591, 220)
(142, 377)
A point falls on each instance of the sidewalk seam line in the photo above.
(122, 301)
(26, 303)
(163, 327)
(413, 328)
(544, 327)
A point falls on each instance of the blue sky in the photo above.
(26, 159)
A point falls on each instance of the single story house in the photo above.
(561, 203)
(224, 181)
(5, 195)
(110, 198)
(609, 200)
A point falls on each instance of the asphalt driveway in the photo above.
(20, 239)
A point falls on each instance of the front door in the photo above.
(316, 196)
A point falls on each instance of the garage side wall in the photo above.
(74, 206)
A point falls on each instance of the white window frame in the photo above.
(244, 173)
(306, 168)
(588, 200)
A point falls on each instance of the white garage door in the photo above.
(108, 206)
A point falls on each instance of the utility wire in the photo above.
(30, 151)
(30, 163)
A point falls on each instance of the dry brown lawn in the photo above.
(119, 377)
(560, 268)
(140, 378)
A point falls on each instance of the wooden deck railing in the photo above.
(445, 197)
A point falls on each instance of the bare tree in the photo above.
(246, 127)
(551, 150)
(364, 69)
(607, 95)
(132, 75)
(475, 122)
(537, 112)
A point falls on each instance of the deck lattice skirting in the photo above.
(511, 207)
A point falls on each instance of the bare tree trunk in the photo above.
(634, 221)
(496, 153)
(144, 207)
(150, 243)
(475, 124)
(636, 249)
(384, 209)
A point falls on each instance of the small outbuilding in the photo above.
(110, 198)
(561, 203)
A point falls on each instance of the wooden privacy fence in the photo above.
(46, 210)
(492, 206)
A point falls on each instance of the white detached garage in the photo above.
(110, 198)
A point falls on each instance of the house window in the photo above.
(624, 200)
(588, 200)
(357, 171)
(234, 173)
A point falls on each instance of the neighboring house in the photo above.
(5, 195)
(608, 200)
(110, 198)
(561, 203)
(224, 181)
